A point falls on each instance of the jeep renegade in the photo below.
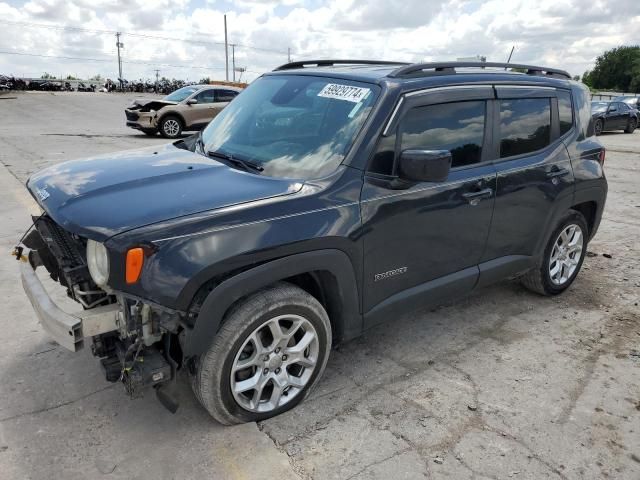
(329, 196)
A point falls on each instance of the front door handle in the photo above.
(474, 197)
(560, 172)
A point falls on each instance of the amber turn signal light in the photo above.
(135, 259)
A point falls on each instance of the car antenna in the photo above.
(509, 59)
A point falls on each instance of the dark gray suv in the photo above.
(328, 197)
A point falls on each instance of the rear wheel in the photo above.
(562, 257)
(597, 127)
(267, 356)
(170, 126)
(633, 123)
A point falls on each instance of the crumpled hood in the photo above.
(149, 103)
(103, 196)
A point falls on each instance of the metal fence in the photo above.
(611, 95)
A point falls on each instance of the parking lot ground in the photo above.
(502, 384)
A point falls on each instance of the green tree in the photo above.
(96, 78)
(204, 81)
(47, 76)
(616, 69)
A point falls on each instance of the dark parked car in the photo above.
(632, 101)
(328, 197)
(609, 116)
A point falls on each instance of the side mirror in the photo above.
(192, 101)
(425, 165)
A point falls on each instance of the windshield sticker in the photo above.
(344, 92)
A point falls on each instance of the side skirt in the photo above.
(458, 284)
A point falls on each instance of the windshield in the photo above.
(292, 126)
(597, 106)
(180, 94)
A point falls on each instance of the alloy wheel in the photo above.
(274, 363)
(171, 127)
(566, 254)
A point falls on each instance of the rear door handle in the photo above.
(474, 197)
(561, 172)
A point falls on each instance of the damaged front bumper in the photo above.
(69, 330)
(141, 120)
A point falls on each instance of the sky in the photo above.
(567, 34)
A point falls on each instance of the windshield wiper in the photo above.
(235, 161)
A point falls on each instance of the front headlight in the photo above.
(98, 262)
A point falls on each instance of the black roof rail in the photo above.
(331, 63)
(450, 68)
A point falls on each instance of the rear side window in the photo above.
(525, 126)
(623, 107)
(457, 127)
(565, 111)
(225, 95)
(206, 96)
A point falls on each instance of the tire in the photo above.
(540, 279)
(244, 325)
(170, 126)
(633, 123)
(597, 127)
(150, 132)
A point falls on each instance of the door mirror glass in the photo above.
(425, 165)
(192, 101)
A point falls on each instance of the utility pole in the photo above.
(157, 75)
(119, 45)
(289, 55)
(226, 49)
(233, 60)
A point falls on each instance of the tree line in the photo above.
(617, 69)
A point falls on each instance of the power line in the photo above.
(139, 35)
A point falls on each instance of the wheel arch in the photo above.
(588, 210)
(328, 275)
(172, 113)
(590, 202)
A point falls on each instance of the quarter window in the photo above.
(525, 126)
(565, 111)
(457, 127)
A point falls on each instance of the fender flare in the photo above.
(335, 262)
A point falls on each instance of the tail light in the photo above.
(601, 156)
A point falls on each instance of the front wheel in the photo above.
(562, 257)
(170, 126)
(269, 353)
(633, 123)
